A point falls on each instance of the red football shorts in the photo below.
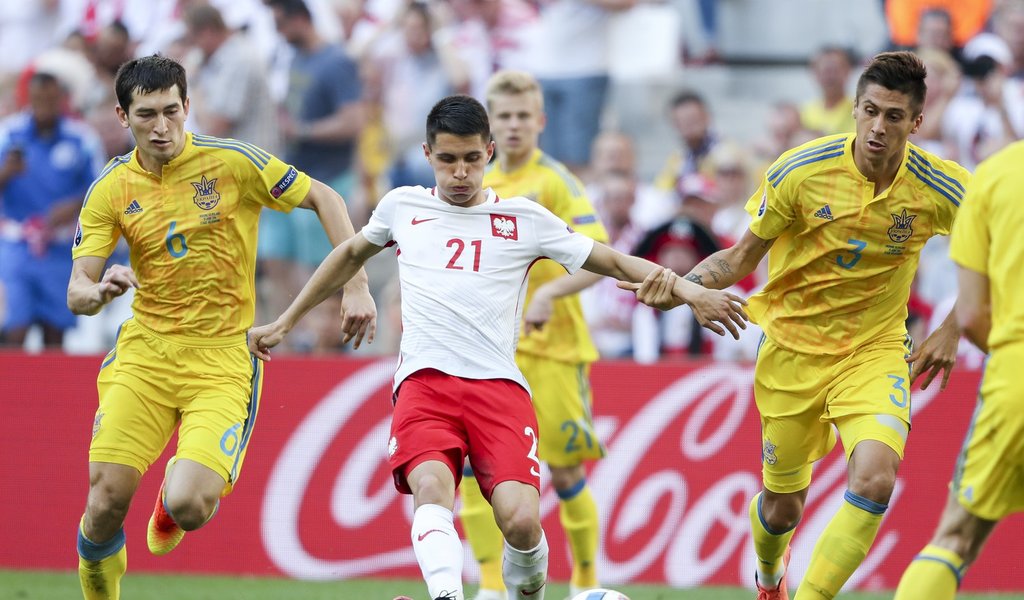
(443, 417)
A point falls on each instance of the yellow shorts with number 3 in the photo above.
(803, 399)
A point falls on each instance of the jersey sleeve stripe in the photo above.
(260, 152)
(918, 156)
(114, 163)
(801, 163)
(237, 148)
(922, 172)
(930, 183)
(831, 145)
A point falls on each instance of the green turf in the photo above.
(46, 585)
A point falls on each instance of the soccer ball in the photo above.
(600, 594)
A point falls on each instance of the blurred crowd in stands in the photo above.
(340, 89)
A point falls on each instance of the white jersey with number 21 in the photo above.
(463, 276)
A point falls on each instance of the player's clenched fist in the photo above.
(261, 339)
(117, 280)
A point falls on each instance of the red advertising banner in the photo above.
(315, 499)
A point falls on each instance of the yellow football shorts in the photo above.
(149, 383)
(989, 475)
(562, 401)
(865, 395)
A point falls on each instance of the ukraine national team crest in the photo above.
(504, 226)
(768, 453)
(901, 229)
(206, 195)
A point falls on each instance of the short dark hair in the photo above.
(686, 97)
(458, 115)
(898, 71)
(291, 8)
(44, 78)
(148, 74)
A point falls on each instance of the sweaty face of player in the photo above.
(885, 119)
(157, 121)
(458, 162)
(516, 123)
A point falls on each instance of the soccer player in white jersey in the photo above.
(463, 256)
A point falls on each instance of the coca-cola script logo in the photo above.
(683, 462)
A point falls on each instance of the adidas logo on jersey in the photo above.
(824, 213)
(133, 208)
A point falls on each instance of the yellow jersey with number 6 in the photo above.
(191, 232)
(843, 260)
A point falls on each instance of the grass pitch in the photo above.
(49, 585)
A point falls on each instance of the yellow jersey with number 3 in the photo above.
(989, 239)
(565, 336)
(843, 260)
(191, 232)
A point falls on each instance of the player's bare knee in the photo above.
(782, 512)
(431, 489)
(107, 505)
(521, 528)
(876, 486)
(190, 511)
(566, 478)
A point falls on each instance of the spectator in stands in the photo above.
(47, 162)
(785, 130)
(230, 87)
(680, 245)
(904, 17)
(321, 122)
(491, 35)
(415, 72)
(832, 112)
(608, 310)
(988, 115)
(729, 170)
(935, 32)
(614, 156)
(943, 82)
(572, 65)
(692, 121)
(1008, 24)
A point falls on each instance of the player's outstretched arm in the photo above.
(358, 311)
(729, 265)
(334, 272)
(88, 292)
(716, 310)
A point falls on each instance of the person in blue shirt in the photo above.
(47, 162)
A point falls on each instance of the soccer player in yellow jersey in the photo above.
(845, 217)
(988, 247)
(188, 206)
(555, 350)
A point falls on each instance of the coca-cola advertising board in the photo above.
(315, 499)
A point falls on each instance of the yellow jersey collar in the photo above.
(186, 152)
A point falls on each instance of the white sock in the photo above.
(526, 571)
(438, 551)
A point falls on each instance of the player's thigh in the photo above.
(562, 399)
(136, 416)
(870, 397)
(427, 424)
(988, 480)
(219, 404)
(502, 430)
(789, 390)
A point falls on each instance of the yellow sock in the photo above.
(101, 566)
(578, 513)
(769, 546)
(841, 547)
(483, 534)
(934, 574)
